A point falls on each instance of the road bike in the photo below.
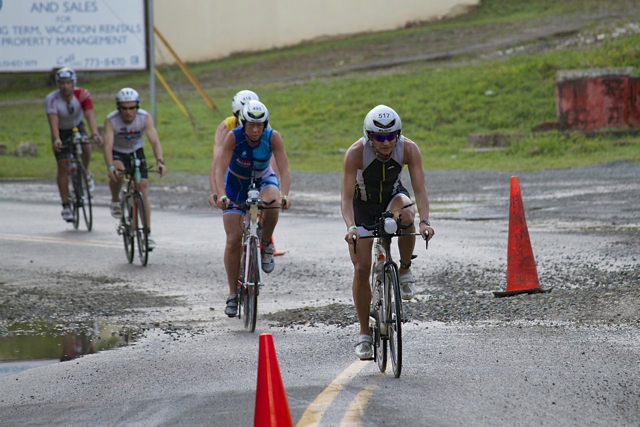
(79, 190)
(250, 273)
(133, 225)
(386, 312)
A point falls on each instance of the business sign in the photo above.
(84, 35)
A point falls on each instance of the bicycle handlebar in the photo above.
(378, 228)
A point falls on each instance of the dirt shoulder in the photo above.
(444, 44)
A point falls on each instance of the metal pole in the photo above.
(152, 62)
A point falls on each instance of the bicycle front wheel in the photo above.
(394, 317)
(250, 294)
(379, 341)
(83, 197)
(75, 195)
(126, 227)
(142, 229)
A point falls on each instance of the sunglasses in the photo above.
(127, 108)
(70, 107)
(382, 137)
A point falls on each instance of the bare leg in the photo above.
(63, 179)
(270, 216)
(115, 186)
(408, 243)
(144, 186)
(86, 156)
(361, 288)
(233, 248)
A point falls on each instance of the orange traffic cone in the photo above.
(272, 408)
(522, 276)
(275, 251)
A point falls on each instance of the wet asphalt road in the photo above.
(529, 370)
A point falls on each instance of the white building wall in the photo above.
(201, 30)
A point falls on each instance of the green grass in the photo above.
(319, 118)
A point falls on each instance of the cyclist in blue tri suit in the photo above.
(245, 157)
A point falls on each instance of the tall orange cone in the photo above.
(272, 408)
(522, 276)
(275, 251)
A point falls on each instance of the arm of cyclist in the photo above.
(352, 162)
(109, 134)
(221, 165)
(56, 142)
(282, 162)
(218, 140)
(152, 136)
(91, 119)
(416, 172)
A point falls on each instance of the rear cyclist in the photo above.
(65, 108)
(124, 131)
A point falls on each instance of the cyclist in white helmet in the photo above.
(124, 131)
(226, 126)
(371, 185)
(245, 157)
(65, 108)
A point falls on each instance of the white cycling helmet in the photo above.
(381, 119)
(127, 95)
(66, 74)
(240, 99)
(254, 112)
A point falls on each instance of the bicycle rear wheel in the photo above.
(126, 226)
(394, 318)
(142, 229)
(250, 294)
(83, 197)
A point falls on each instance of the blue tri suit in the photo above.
(248, 164)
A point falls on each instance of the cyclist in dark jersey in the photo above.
(371, 184)
(245, 157)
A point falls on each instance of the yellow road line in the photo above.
(316, 410)
(354, 414)
(58, 240)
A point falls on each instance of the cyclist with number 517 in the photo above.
(124, 131)
(370, 186)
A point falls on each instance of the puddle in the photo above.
(29, 345)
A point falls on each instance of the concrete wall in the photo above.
(200, 30)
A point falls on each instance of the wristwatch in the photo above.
(425, 222)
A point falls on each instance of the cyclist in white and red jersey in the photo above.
(65, 108)
(124, 131)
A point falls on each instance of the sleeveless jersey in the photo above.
(379, 180)
(247, 161)
(69, 113)
(128, 136)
